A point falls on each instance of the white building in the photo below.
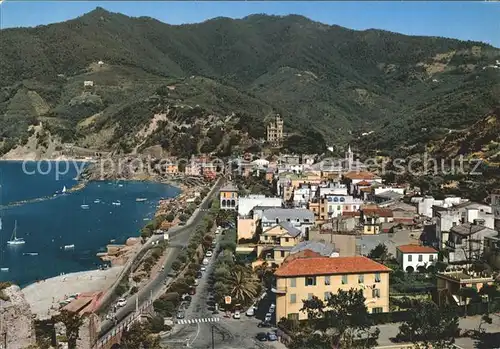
(425, 204)
(337, 204)
(247, 203)
(411, 257)
(334, 189)
(88, 83)
(300, 218)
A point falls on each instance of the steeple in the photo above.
(349, 158)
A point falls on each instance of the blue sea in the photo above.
(48, 225)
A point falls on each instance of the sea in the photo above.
(48, 220)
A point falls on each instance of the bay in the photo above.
(49, 225)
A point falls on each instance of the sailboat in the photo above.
(64, 190)
(14, 240)
(84, 206)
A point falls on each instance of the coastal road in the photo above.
(178, 237)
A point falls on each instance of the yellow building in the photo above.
(320, 209)
(247, 227)
(303, 278)
(372, 218)
(228, 195)
(276, 242)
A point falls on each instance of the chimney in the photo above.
(479, 222)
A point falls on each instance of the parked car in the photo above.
(264, 324)
(196, 282)
(237, 314)
(262, 336)
(268, 317)
(121, 302)
(272, 307)
(203, 268)
(209, 253)
(271, 336)
(180, 314)
(250, 311)
(205, 261)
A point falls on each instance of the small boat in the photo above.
(4, 270)
(116, 203)
(14, 240)
(84, 205)
(64, 190)
(30, 254)
(141, 199)
(69, 247)
(120, 185)
(112, 241)
(96, 201)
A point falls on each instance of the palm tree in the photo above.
(243, 286)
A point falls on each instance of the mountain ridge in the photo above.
(336, 81)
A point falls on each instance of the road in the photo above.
(179, 236)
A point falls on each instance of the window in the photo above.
(309, 296)
(327, 295)
(420, 258)
(282, 253)
(344, 279)
(431, 258)
(311, 281)
(375, 293)
(369, 228)
(327, 280)
(361, 279)
(409, 257)
(293, 298)
(293, 282)
(377, 277)
(287, 239)
(377, 310)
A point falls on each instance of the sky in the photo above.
(477, 20)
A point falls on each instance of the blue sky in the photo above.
(478, 21)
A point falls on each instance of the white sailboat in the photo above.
(64, 190)
(84, 205)
(14, 240)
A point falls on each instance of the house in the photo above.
(353, 178)
(492, 250)
(88, 83)
(385, 196)
(425, 204)
(228, 195)
(413, 257)
(495, 206)
(317, 248)
(303, 278)
(449, 284)
(465, 241)
(300, 218)
(247, 203)
(246, 227)
(275, 243)
(447, 217)
(372, 217)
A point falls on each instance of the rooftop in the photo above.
(229, 187)
(361, 175)
(363, 183)
(321, 248)
(390, 194)
(467, 229)
(282, 214)
(329, 266)
(416, 249)
(377, 211)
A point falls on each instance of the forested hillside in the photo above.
(325, 80)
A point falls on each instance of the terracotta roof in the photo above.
(351, 213)
(329, 266)
(363, 183)
(416, 249)
(381, 212)
(361, 175)
(365, 190)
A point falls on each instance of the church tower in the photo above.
(349, 157)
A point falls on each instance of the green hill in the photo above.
(400, 90)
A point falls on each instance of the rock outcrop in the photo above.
(17, 326)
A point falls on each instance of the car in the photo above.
(203, 268)
(250, 311)
(180, 314)
(205, 261)
(199, 275)
(272, 307)
(162, 268)
(264, 324)
(209, 253)
(261, 336)
(237, 314)
(192, 291)
(121, 302)
(271, 336)
(268, 317)
(196, 282)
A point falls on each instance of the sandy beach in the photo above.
(43, 295)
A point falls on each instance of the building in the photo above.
(88, 83)
(413, 257)
(372, 217)
(495, 206)
(449, 284)
(276, 242)
(492, 250)
(465, 241)
(247, 203)
(425, 204)
(275, 131)
(303, 278)
(302, 219)
(228, 195)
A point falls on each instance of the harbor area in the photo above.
(47, 297)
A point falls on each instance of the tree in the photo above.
(342, 322)
(139, 335)
(467, 293)
(243, 286)
(170, 217)
(72, 321)
(489, 291)
(380, 252)
(430, 325)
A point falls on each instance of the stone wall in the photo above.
(17, 326)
